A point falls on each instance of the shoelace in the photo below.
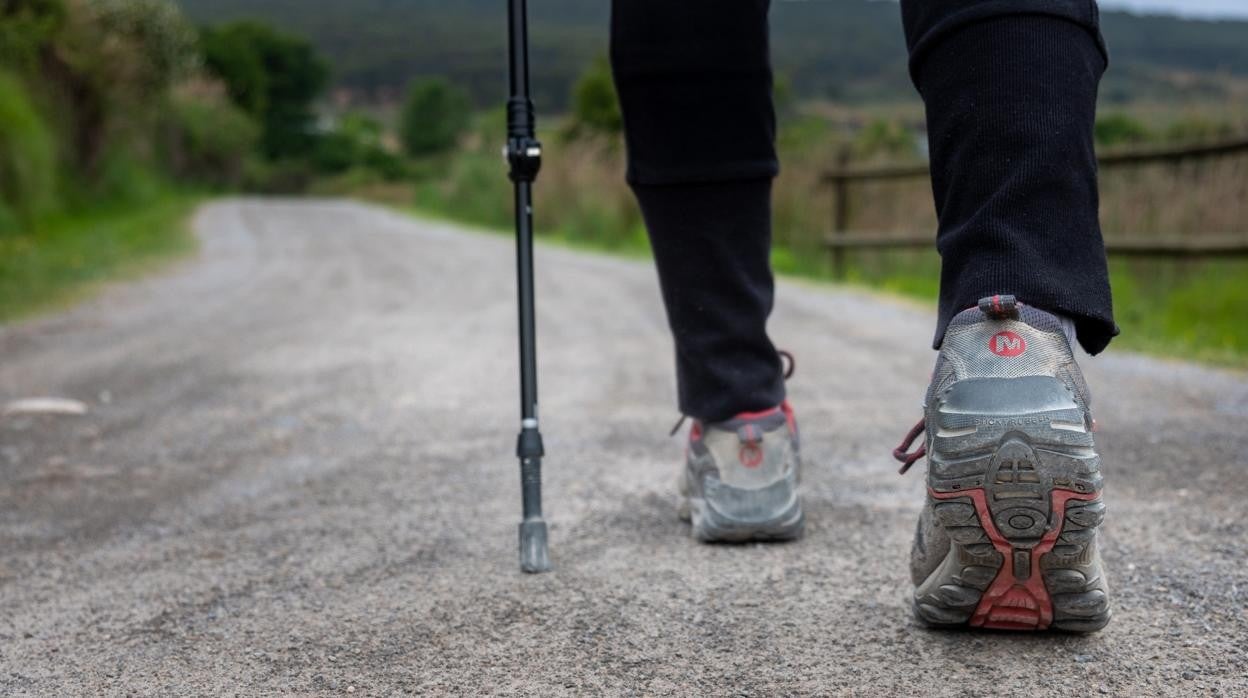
(785, 356)
(909, 459)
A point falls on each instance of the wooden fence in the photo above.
(1177, 245)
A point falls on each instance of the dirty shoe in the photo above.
(741, 476)
(1008, 536)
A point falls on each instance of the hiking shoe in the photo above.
(741, 476)
(1008, 536)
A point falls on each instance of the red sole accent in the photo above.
(1010, 603)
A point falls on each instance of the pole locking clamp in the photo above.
(524, 155)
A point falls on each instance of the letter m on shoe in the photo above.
(1007, 344)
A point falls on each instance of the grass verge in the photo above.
(69, 255)
(1196, 310)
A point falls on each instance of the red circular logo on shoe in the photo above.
(1007, 344)
(751, 455)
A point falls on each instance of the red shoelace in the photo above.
(909, 459)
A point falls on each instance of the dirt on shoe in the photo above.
(1008, 536)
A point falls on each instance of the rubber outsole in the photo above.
(712, 527)
(734, 515)
(1018, 492)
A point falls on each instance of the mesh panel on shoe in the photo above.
(942, 377)
(966, 351)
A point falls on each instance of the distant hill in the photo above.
(847, 50)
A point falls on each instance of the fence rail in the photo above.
(841, 239)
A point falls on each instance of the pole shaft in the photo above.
(518, 27)
(524, 154)
(524, 275)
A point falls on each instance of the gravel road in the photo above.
(295, 476)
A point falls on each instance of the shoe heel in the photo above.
(1017, 486)
(735, 515)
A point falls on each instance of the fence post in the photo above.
(840, 213)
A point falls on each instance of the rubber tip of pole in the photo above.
(534, 556)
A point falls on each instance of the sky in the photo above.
(1185, 8)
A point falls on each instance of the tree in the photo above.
(434, 115)
(159, 43)
(273, 76)
(97, 67)
(594, 102)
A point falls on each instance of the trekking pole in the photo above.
(524, 157)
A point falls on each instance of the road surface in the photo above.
(295, 475)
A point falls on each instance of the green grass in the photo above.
(1196, 310)
(1188, 309)
(69, 255)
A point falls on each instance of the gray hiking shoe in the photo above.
(1008, 536)
(741, 476)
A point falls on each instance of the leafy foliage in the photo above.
(212, 137)
(888, 137)
(1120, 129)
(100, 100)
(25, 27)
(149, 43)
(273, 76)
(434, 115)
(98, 68)
(357, 143)
(594, 103)
(27, 158)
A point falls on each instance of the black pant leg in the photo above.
(1010, 89)
(694, 82)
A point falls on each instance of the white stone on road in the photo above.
(45, 405)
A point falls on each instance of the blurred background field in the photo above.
(117, 115)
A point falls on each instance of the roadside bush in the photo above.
(356, 143)
(434, 116)
(277, 177)
(335, 152)
(211, 137)
(391, 167)
(124, 178)
(1120, 129)
(595, 106)
(885, 137)
(25, 27)
(27, 157)
(9, 224)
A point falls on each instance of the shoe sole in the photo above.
(1017, 487)
(735, 515)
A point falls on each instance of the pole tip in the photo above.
(533, 551)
